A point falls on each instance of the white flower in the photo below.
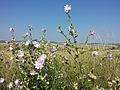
(13, 39)
(27, 42)
(71, 29)
(17, 82)
(10, 48)
(59, 29)
(67, 8)
(2, 80)
(33, 72)
(43, 30)
(36, 44)
(40, 61)
(10, 85)
(26, 34)
(11, 29)
(95, 53)
(20, 53)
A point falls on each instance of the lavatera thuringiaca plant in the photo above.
(43, 66)
(34, 59)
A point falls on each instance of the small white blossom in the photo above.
(10, 48)
(67, 8)
(43, 30)
(10, 85)
(27, 42)
(13, 39)
(71, 29)
(59, 29)
(2, 80)
(95, 53)
(20, 53)
(23, 61)
(11, 29)
(26, 34)
(36, 44)
(17, 82)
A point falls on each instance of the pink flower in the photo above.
(67, 8)
(66, 45)
(17, 82)
(40, 61)
(2, 80)
(92, 33)
(20, 53)
(38, 65)
(11, 29)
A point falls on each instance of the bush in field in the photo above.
(46, 66)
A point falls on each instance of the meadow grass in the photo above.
(40, 65)
(71, 70)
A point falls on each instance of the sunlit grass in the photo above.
(71, 70)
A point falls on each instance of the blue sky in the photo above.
(102, 16)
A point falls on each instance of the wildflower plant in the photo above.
(49, 66)
(91, 33)
(71, 28)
